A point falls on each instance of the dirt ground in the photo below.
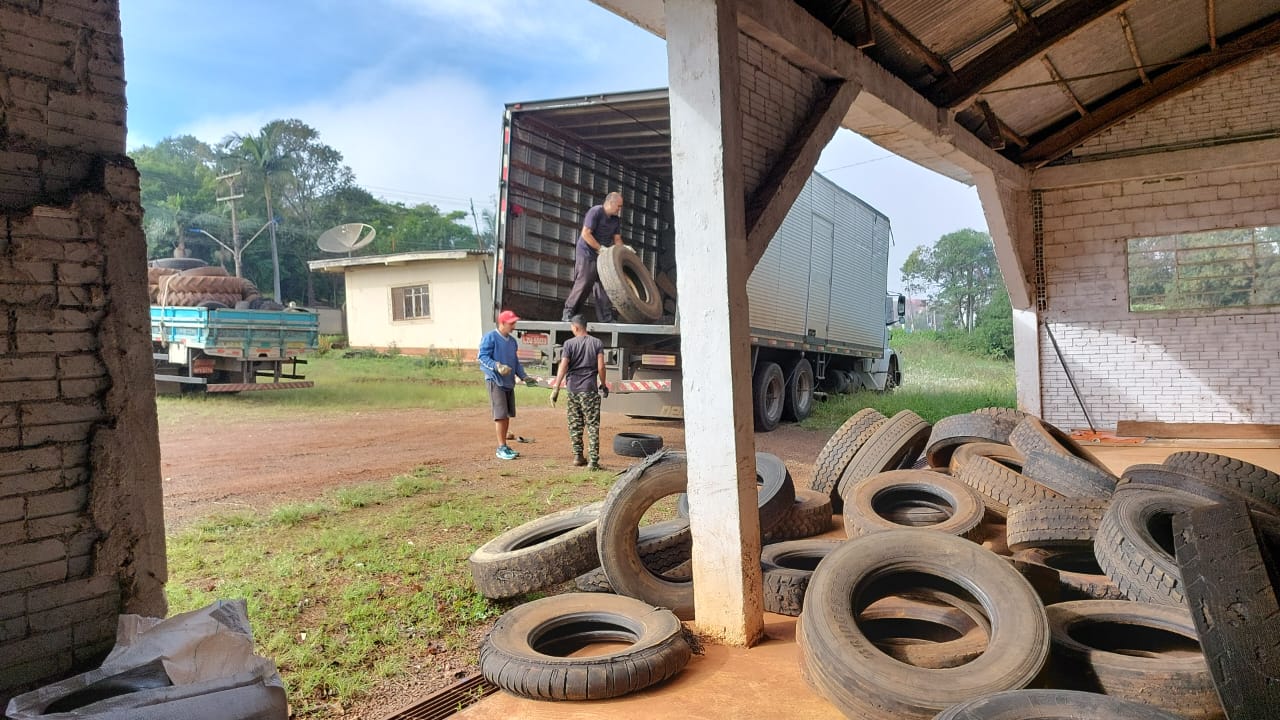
(266, 466)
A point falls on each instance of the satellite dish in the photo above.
(346, 238)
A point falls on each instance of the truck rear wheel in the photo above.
(799, 392)
(768, 386)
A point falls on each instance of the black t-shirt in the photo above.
(603, 226)
(583, 372)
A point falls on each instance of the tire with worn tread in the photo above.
(1256, 481)
(632, 444)
(895, 444)
(1136, 651)
(1230, 579)
(1052, 705)
(1057, 523)
(538, 554)
(840, 448)
(995, 471)
(847, 668)
(869, 503)
(1134, 546)
(953, 431)
(636, 490)
(662, 546)
(923, 634)
(629, 284)
(1068, 475)
(809, 515)
(777, 492)
(1079, 577)
(786, 568)
(1148, 475)
(1034, 433)
(527, 651)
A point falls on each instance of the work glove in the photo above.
(604, 391)
(503, 370)
(530, 382)
(555, 395)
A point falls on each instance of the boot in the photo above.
(579, 461)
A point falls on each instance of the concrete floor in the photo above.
(764, 681)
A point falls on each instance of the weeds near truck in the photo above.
(938, 381)
(366, 583)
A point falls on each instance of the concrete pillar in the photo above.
(1026, 359)
(711, 252)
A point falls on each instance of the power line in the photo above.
(860, 162)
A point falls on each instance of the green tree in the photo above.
(267, 158)
(959, 274)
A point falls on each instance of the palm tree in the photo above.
(266, 154)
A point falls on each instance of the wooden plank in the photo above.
(1204, 431)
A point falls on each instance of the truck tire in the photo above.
(1036, 434)
(923, 633)
(777, 492)
(809, 515)
(1060, 523)
(1053, 704)
(1068, 475)
(1079, 577)
(629, 285)
(869, 503)
(840, 448)
(528, 651)
(995, 472)
(1136, 651)
(846, 667)
(786, 569)
(895, 444)
(538, 554)
(1135, 543)
(636, 490)
(767, 394)
(177, 263)
(798, 401)
(953, 431)
(662, 546)
(636, 444)
(1148, 475)
(1256, 481)
(1229, 576)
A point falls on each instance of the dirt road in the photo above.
(236, 463)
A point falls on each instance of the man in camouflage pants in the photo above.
(581, 364)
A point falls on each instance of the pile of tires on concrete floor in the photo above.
(190, 282)
(986, 556)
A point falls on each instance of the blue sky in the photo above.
(411, 92)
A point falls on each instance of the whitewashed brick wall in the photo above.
(1198, 366)
(81, 525)
(774, 96)
(1235, 104)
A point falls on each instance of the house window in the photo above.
(409, 303)
(1214, 269)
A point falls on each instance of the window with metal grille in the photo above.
(1213, 269)
(410, 303)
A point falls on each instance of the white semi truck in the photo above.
(819, 310)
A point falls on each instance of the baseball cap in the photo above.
(506, 316)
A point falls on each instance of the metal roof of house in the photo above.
(342, 263)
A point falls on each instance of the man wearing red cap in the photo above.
(501, 367)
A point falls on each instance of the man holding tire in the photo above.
(581, 363)
(603, 223)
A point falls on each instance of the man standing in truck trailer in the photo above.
(499, 361)
(602, 223)
(582, 362)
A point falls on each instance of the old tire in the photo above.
(869, 503)
(634, 492)
(629, 285)
(630, 444)
(1147, 475)
(1052, 705)
(895, 444)
(953, 431)
(777, 492)
(1136, 651)
(526, 652)
(1256, 481)
(840, 448)
(538, 554)
(1036, 434)
(995, 471)
(786, 569)
(1135, 543)
(768, 388)
(846, 667)
(809, 515)
(177, 263)
(1079, 577)
(1068, 475)
(1056, 524)
(1229, 576)
(798, 396)
(923, 634)
(662, 546)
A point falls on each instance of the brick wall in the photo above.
(1199, 366)
(775, 96)
(81, 525)
(1239, 103)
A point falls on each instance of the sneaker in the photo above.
(579, 461)
(506, 453)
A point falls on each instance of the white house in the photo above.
(420, 302)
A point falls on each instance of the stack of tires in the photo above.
(1009, 556)
(188, 282)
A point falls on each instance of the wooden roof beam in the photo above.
(1063, 86)
(1023, 45)
(1243, 48)
(1212, 16)
(888, 24)
(1133, 48)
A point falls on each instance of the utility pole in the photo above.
(476, 220)
(231, 198)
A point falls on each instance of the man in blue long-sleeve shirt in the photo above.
(501, 367)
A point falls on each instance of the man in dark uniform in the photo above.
(581, 364)
(603, 224)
